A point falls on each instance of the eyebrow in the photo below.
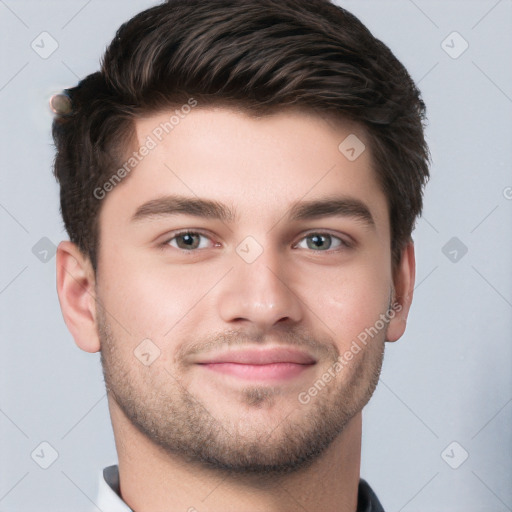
(332, 207)
(302, 210)
(176, 205)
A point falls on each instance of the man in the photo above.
(239, 182)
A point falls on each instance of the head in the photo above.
(240, 175)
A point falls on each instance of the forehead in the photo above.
(254, 165)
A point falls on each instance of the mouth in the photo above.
(260, 365)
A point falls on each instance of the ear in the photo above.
(403, 280)
(76, 291)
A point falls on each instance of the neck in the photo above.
(151, 479)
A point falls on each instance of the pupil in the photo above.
(317, 240)
(187, 239)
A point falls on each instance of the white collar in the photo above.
(108, 499)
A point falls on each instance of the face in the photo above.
(238, 264)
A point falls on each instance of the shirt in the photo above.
(109, 499)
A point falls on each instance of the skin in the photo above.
(209, 300)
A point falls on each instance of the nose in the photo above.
(262, 292)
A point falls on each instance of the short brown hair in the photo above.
(256, 55)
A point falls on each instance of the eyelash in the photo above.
(342, 245)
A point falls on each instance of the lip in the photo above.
(260, 365)
(262, 357)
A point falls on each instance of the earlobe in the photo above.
(404, 278)
(76, 291)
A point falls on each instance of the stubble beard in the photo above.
(157, 404)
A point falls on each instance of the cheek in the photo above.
(152, 301)
(351, 299)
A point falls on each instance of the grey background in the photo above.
(447, 380)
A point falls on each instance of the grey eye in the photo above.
(320, 242)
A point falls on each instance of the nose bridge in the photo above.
(259, 289)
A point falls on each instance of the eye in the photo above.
(192, 240)
(322, 242)
(188, 240)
